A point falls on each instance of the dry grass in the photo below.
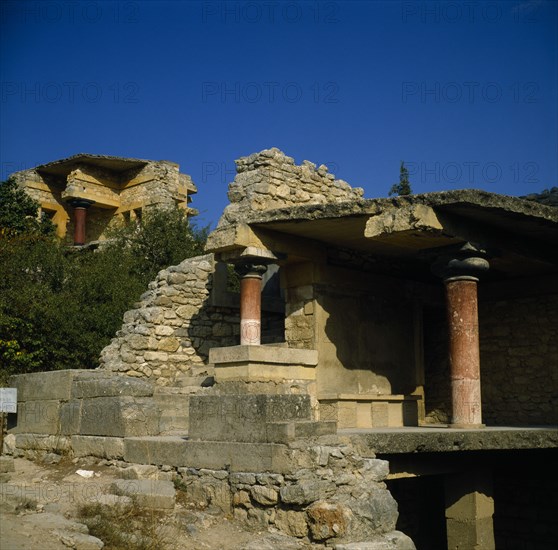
(126, 527)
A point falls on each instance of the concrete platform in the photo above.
(444, 439)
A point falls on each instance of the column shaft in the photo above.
(464, 355)
(250, 310)
(250, 302)
(80, 215)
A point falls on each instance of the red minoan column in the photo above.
(464, 354)
(250, 303)
(80, 218)
(460, 278)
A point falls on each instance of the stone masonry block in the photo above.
(39, 417)
(44, 385)
(41, 442)
(214, 455)
(119, 417)
(104, 447)
(70, 417)
(148, 493)
(243, 418)
(111, 386)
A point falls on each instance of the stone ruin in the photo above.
(305, 405)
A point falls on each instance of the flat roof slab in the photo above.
(442, 439)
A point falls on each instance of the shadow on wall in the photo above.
(437, 386)
(365, 343)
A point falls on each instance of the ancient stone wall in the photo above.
(114, 193)
(168, 335)
(157, 183)
(519, 361)
(170, 332)
(97, 181)
(300, 318)
(338, 495)
(269, 180)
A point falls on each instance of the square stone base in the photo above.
(365, 411)
(263, 364)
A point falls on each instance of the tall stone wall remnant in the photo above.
(169, 334)
(185, 312)
(269, 180)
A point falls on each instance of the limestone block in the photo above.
(215, 455)
(328, 520)
(174, 410)
(119, 417)
(347, 414)
(152, 314)
(176, 278)
(112, 500)
(140, 471)
(137, 341)
(169, 344)
(39, 417)
(291, 522)
(380, 414)
(187, 311)
(163, 330)
(55, 443)
(242, 498)
(374, 511)
(149, 493)
(111, 386)
(70, 417)
(263, 495)
(156, 356)
(243, 418)
(110, 448)
(73, 539)
(374, 469)
(44, 385)
(306, 492)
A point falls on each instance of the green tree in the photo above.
(19, 212)
(164, 237)
(404, 186)
(59, 307)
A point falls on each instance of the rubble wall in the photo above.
(269, 180)
(170, 331)
(168, 335)
(519, 360)
(337, 496)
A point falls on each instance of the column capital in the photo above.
(251, 269)
(80, 203)
(464, 262)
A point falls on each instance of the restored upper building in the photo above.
(85, 194)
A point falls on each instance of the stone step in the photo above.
(283, 432)
(215, 455)
(174, 408)
(148, 493)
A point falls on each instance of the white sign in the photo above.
(8, 400)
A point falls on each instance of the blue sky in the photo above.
(464, 92)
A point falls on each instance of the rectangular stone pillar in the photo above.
(469, 510)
